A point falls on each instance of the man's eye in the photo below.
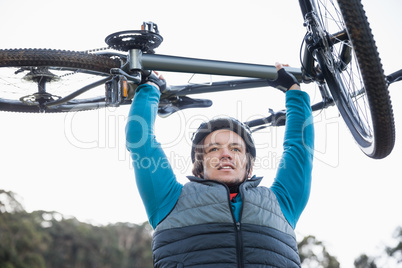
(213, 149)
(236, 149)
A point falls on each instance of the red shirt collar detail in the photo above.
(232, 195)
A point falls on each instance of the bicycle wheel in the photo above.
(32, 78)
(353, 72)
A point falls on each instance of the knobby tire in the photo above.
(378, 141)
(71, 61)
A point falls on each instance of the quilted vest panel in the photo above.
(201, 230)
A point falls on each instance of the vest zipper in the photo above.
(237, 225)
(239, 231)
(239, 245)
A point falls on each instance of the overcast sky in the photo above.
(77, 164)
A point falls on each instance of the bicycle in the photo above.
(340, 56)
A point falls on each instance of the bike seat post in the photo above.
(135, 59)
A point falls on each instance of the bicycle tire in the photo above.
(72, 62)
(360, 91)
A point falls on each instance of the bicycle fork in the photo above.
(317, 39)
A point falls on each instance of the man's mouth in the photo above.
(226, 166)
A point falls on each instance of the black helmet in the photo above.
(229, 123)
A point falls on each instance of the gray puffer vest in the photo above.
(201, 230)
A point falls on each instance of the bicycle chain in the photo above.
(97, 49)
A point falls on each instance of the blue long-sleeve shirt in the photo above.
(157, 183)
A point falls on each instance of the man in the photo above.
(222, 218)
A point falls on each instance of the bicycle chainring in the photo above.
(144, 40)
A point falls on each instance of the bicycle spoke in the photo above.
(341, 61)
(14, 82)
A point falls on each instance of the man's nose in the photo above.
(226, 153)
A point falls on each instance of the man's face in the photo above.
(225, 157)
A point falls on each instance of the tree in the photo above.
(48, 239)
(9, 202)
(21, 242)
(313, 254)
(390, 257)
(364, 261)
(77, 244)
(396, 252)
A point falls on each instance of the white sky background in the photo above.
(77, 164)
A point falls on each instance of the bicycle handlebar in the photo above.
(395, 77)
(275, 119)
(279, 118)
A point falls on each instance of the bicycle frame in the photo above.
(257, 77)
(201, 66)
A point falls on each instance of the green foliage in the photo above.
(47, 239)
(21, 241)
(314, 254)
(364, 261)
(390, 257)
(396, 251)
